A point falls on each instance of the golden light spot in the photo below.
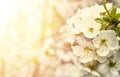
(50, 53)
(35, 61)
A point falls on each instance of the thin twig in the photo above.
(104, 5)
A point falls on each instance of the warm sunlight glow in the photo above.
(31, 44)
(20, 30)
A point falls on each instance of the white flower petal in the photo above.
(85, 59)
(91, 28)
(77, 50)
(103, 51)
(95, 73)
(100, 59)
(105, 42)
(85, 50)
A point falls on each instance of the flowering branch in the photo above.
(95, 38)
(110, 20)
(104, 5)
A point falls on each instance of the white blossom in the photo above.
(74, 29)
(84, 50)
(93, 11)
(75, 18)
(68, 70)
(110, 68)
(105, 41)
(90, 27)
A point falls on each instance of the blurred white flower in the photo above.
(88, 12)
(88, 72)
(68, 70)
(75, 18)
(110, 68)
(105, 41)
(73, 24)
(93, 11)
(74, 29)
(65, 56)
(84, 50)
(90, 27)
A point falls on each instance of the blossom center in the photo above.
(91, 30)
(111, 63)
(86, 49)
(103, 42)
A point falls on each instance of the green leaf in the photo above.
(110, 19)
(118, 17)
(118, 25)
(117, 30)
(113, 11)
(103, 21)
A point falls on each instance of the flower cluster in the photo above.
(95, 40)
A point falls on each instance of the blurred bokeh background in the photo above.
(31, 38)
